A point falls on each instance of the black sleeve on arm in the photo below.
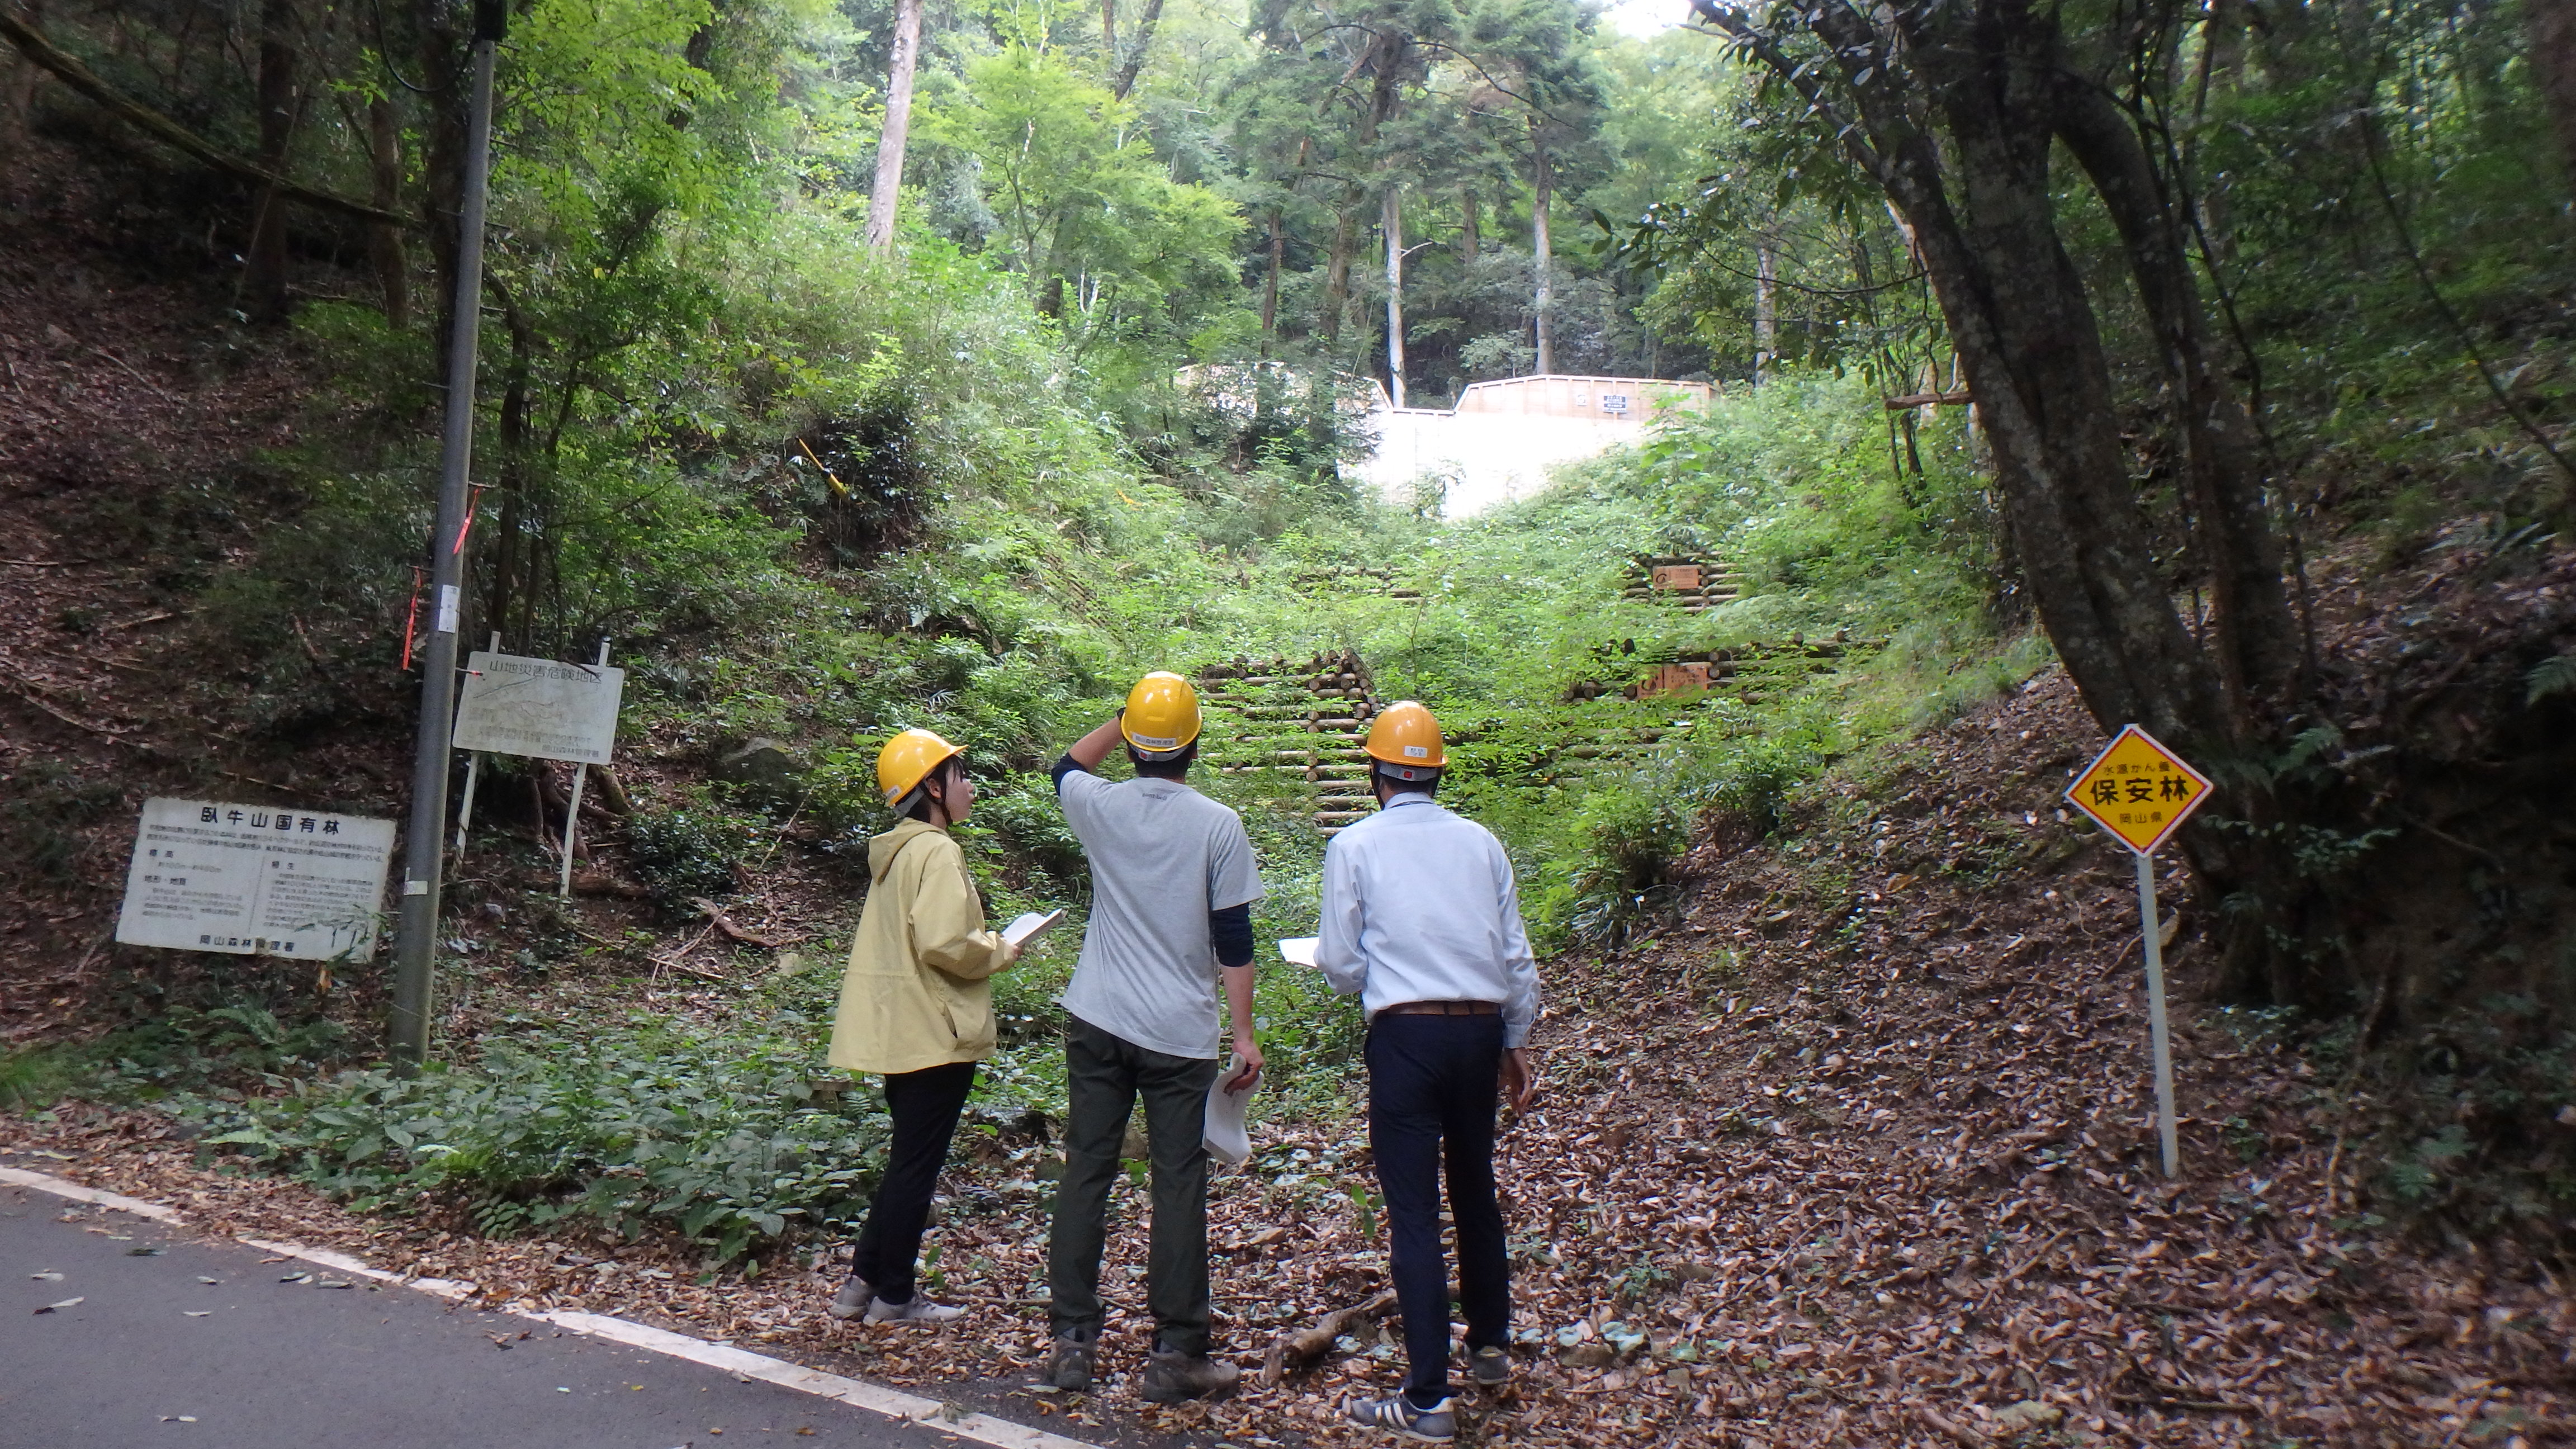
(1230, 931)
(1064, 766)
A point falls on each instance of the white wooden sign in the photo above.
(543, 708)
(208, 875)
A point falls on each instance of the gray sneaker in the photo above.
(1490, 1367)
(853, 1299)
(1435, 1425)
(1069, 1364)
(919, 1310)
(1171, 1378)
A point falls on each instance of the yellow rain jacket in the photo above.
(916, 993)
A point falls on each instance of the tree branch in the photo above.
(80, 78)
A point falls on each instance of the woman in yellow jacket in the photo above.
(916, 1005)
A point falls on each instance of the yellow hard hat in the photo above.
(907, 760)
(1162, 715)
(1405, 734)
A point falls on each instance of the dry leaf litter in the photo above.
(1860, 1152)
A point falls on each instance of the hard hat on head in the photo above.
(1405, 741)
(1162, 716)
(907, 760)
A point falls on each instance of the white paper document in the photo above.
(1299, 950)
(1225, 1137)
(1029, 927)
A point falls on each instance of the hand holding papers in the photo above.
(1225, 1137)
(1029, 927)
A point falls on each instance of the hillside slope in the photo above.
(1861, 1155)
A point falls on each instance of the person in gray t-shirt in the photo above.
(1172, 887)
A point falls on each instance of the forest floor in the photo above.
(1858, 1152)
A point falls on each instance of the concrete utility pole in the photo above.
(425, 834)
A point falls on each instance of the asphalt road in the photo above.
(155, 1355)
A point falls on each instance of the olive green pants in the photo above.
(1104, 1076)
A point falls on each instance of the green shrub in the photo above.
(689, 851)
(718, 1141)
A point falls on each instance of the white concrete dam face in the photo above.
(1486, 459)
(1505, 437)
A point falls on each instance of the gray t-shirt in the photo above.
(1162, 856)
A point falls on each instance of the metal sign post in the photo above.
(572, 812)
(416, 928)
(2142, 792)
(2166, 1132)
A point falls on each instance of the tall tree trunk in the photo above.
(1385, 53)
(887, 195)
(1542, 258)
(1977, 200)
(1337, 274)
(1132, 62)
(1470, 239)
(1766, 307)
(384, 239)
(2256, 637)
(264, 281)
(1270, 285)
(1394, 229)
(2552, 27)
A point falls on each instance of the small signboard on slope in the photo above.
(543, 708)
(208, 875)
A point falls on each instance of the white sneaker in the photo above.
(853, 1299)
(919, 1310)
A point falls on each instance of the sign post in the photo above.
(544, 709)
(2142, 792)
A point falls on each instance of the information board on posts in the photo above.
(209, 875)
(542, 708)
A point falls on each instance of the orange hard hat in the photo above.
(1404, 733)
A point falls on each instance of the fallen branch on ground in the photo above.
(732, 932)
(1300, 1347)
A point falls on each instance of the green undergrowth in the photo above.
(1014, 631)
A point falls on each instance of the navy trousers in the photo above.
(1432, 1097)
(924, 1106)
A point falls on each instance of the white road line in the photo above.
(742, 1363)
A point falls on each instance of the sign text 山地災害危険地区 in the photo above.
(543, 708)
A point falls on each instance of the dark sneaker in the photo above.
(1171, 1378)
(1490, 1367)
(853, 1299)
(1069, 1365)
(1435, 1425)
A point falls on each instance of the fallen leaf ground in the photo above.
(1857, 1152)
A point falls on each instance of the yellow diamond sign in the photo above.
(2139, 790)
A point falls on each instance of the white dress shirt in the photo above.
(1419, 905)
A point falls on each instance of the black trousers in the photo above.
(1432, 1094)
(924, 1106)
(1105, 1076)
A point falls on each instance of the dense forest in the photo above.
(2203, 365)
